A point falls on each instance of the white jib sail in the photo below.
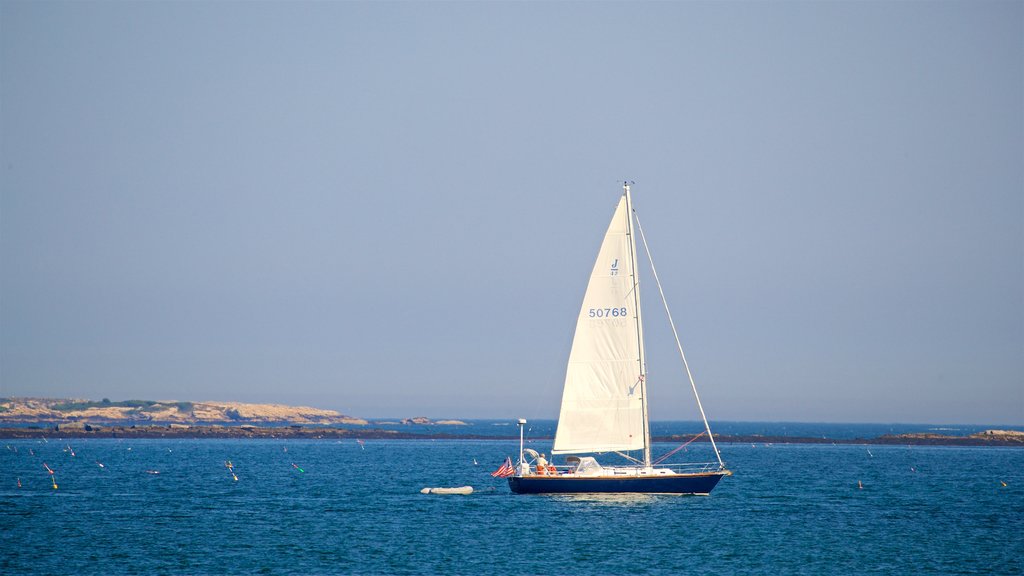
(601, 401)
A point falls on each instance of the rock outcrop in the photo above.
(423, 420)
(58, 411)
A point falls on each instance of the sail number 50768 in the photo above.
(607, 312)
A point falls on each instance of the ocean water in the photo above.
(357, 509)
(546, 428)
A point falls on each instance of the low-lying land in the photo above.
(63, 418)
(78, 430)
(106, 412)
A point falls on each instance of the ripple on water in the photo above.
(788, 509)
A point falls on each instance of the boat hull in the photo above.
(701, 484)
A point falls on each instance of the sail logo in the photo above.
(615, 268)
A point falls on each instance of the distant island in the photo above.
(105, 411)
(77, 413)
(987, 438)
(76, 418)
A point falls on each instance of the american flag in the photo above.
(505, 470)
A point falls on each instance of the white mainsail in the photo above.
(602, 401)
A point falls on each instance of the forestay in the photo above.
(602, 409)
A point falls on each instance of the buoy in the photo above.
(459, 490)
(54, 480)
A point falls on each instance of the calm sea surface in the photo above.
(546, 428)
(789, 509)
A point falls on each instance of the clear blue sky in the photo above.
(392, 208)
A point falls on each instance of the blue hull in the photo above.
(568, 484)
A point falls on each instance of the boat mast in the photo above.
(639, 325)
(522, 424)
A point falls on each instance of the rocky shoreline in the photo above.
(29, 418)
(242, 432)
(152, 412)
(995, 438)
(1004, 438)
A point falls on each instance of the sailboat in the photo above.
(604, 398)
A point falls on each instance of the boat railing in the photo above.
(693, 467)
(684, 468)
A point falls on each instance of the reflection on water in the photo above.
(610, 499)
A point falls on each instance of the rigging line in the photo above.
(638, 382)
(678, 448)
(679, 345)
(630, 293)
(630, 458)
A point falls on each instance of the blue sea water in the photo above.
(357, 509)
(546, 428)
